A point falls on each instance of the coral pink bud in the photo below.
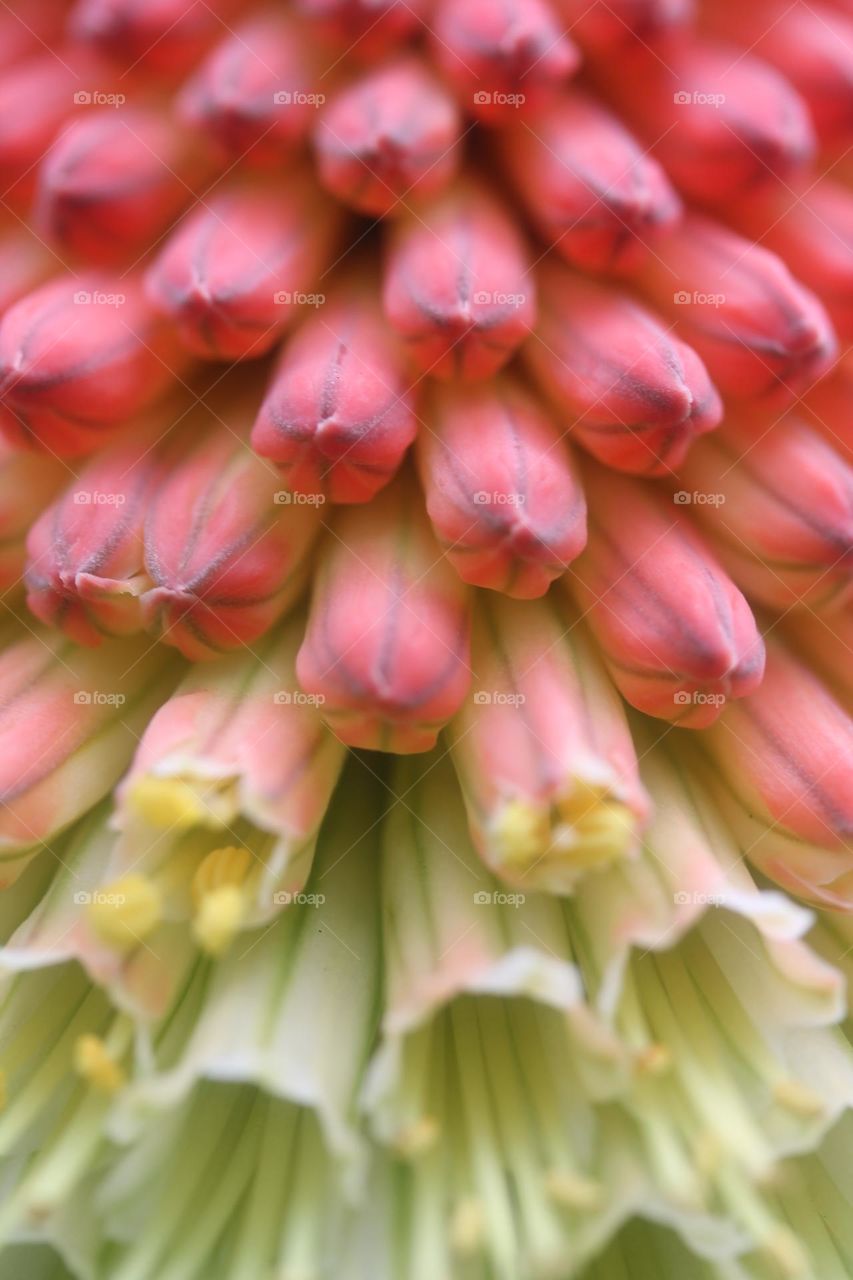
(638, 396)
(85, 570)
(721, 122)
(588, 186)
(780, 509)
(21, 35)
(36, 97)
(28, 482)
(112, 181)
(237, 269)
(225, 554)
(813, 234)
(255, 94)
(338, 416)
(759, 331)
(678, 637)
(543, 750)
(70, 720)
(808, 43)
(458, 285)
(365, 28)
(78, 357)
(501, 59)
(602, 26)
(782, 767)
(501, 488)
(388, 138)
(162, 36)
(386, 648)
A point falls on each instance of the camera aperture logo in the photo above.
(696, 98)
(498, 698)
(98, 498)
(286, 298)
(96, 98)
(96, 298)
(298, 98)
(698, 699)
(84, 898)
(98, 698)
(497, 498)
(487, 98)
(284, 498)
(696, 298)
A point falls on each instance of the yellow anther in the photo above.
(123, 913)
(228, 866)
(94, 1062)
(654, 1059)
(784, 1248)
(166, 803)
(797, 1096)
(418, 1137)
(219, 915)
(467, 1227)
(573, 1190)
(521, 834)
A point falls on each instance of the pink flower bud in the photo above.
(588, 186)
(826, 407)
(37, 95)
(779, 505)
(386, 646)
(501, 59)
(638, 396)
(364, 28)
(721, 122)
(678, 637)
(501, 488)
(69, 723)
(391, 136)
(458, 286)
(225, 555)
(78, 357)
(759, 331)
(160, 36)
(781, 763)
(28, 482)
(602, 26)
(236, 271)
(23, 34)
(543, 750)
(112, 182)
(808, 43)
(256, 92)
(85, 571)
(813, 233)
(338, 416)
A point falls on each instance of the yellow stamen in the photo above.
(94, 1062)
(123, 913)
(798, 1097)
(219, 916)
(467, 1227)
(228, 866)
(521, 834)
(573, 1190)
(418, 1138)
(654, 1059)
(166, 802)
(786, 1251)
